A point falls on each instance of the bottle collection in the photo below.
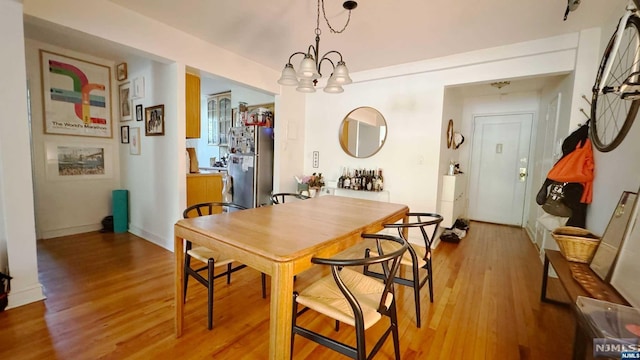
(366, 180)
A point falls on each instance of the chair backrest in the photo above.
(280, 198)
(390, 262)
(210, 208)
(421, 221)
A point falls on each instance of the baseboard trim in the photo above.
(25, 296)
(48, 234)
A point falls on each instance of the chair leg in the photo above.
(210, 293)
(430, 281)
(187, 263)
(294, 317)
(394, 329)
(416, 294)
(264, 286)
(228, 273)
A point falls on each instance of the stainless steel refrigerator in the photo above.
(251, 165)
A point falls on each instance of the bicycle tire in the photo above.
(608, 108)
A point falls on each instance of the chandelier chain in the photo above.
(324, 14)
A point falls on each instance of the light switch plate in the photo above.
(316, 159)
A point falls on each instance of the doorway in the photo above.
(499, 167)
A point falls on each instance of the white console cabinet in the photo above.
(367, 195)
(452, 201)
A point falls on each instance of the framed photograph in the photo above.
(124, 134)
(134, 141)
(126, 104)
(76, 96)
(154, 120)
(138, 87)
(139, 112)
(121, 71)
(78, 161)
(627, 267)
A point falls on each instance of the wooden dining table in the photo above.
(280, 241)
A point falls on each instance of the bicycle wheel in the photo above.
(612, 116)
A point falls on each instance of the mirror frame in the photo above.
(342, 140)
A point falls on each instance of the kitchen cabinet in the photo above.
(219, 118)
(452, 201)
(192, 106)
(204, 188)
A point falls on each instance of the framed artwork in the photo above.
(627, 267)
(134, 141)
(126, 104)
(154, 120)
(139, 112)
(607, 252)
(76, 96)
(124, 134)
(121, 71)
(78, 161)
(138, 87)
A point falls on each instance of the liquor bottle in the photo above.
(376, 185)
(346, 184)
(341, 180)
(380, 179)
(369, 180)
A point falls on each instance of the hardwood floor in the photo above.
(110, 296)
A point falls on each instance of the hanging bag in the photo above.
(554, 204)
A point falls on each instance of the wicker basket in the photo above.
(576, 244)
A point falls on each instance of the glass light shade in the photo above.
(288, 76)
(307, 69)
(306, 86)
(333, 87)
(341, 74)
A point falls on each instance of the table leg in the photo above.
(179, 276)
(281, 312)
(545, 277)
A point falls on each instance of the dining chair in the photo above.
(280, 198)
(417, 257)
(355, 299)
(208, 256)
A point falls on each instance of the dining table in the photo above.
(280, 240)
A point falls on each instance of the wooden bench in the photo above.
(583, 341)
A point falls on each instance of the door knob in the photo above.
(523, 174)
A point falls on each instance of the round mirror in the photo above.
(363, 132)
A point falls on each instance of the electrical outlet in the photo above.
(316, 159)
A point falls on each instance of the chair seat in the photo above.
(325, 297)
(204, 254)
(406, 258)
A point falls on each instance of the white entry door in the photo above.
(499, 168)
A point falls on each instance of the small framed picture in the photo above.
(121, 71)
(124, 134)
(134, 141)
(154, 120)
(125, 102)
(139, 112)
(138, 87)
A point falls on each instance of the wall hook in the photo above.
(586, 99)
(585, 114)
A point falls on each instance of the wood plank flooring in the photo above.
(110, 296)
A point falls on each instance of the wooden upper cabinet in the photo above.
(193, 106)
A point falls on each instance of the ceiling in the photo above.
(380, 33)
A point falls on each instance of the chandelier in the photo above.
(308, 72)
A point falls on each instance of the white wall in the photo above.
(154, 178)
(411, 98)
(17, 224)
(69, 205)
